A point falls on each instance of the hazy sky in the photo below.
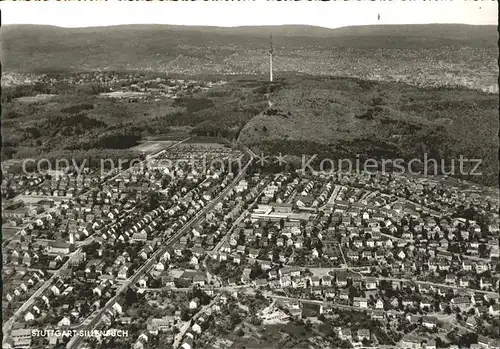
(259, 12)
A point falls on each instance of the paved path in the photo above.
(187, 325)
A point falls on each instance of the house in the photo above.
(371, 283)
(401, 255)
(379, 304)
(407, 303)
(123, 272)
(194, 260)
(265, 265)
(299, 282)
(98, 290)
(484, 283)
(425, 304)
(481, 267)
(463, 282)
(345, 334)
(143, 282)
(431, 344)
(58, 247)
(199, 279)
(411, 342)
(463, 303)
(494, 310)
(450, 279)
(26, 259)
(471, 322)
(367, 255)
(9, 297)
(260, 283)
(341, 279)
(125, 320)
(343, 293)
(140, 342)
(291, 271)
(360, 302)
(223, 256)
(117, 308)
(352, 255)
(167, 281)
(64, 322)
(254, 253)
(21, 338)
(29, 317)
(164, 324)
(196, 328)
(363, 334)
(188, 342)
(194, 304)
(429, 321)
(273, 274)
(160, 266)
(55, 290)
(325, 280)
(467, 265)
(315, 281)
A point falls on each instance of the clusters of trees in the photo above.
(10, 93)
(92, 158)
(193, 104)
(72, 125)
(75, 109)
(220, 116)
(117, 138)
(217, 129)
(153, 201)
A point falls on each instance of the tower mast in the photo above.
(271, 58)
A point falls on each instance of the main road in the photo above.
(187, 324)
(76, 340)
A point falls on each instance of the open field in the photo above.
(152, 146)
(35, 99)
(204, 145)
(123, 94)
(171, 136)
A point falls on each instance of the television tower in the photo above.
(270, 58)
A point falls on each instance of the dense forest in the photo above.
(344, 118)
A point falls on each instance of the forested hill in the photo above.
(33, 47)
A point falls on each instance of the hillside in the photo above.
(375, 91)
(411, 53)
(340, 117)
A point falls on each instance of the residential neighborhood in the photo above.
(174, 250)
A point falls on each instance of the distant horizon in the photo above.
(328, 15)
(247, 26)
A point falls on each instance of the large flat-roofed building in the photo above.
(21, 338)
